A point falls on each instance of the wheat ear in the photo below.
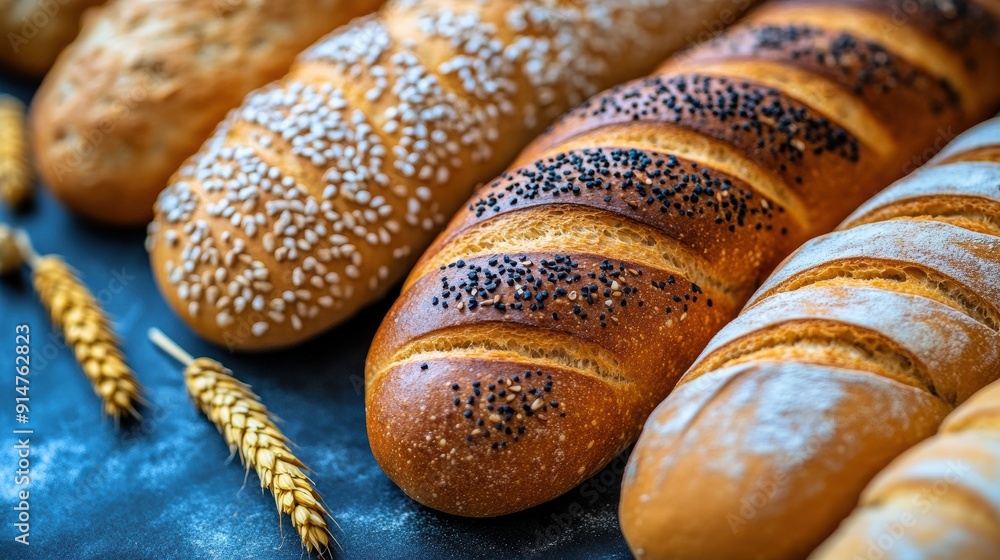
(75, 310)
(10, 254)
(16, 180)
(250, 431)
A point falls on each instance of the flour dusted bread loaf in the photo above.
(938, 501)
(36, 31)
(851, 352)
(570, 294)
(318, 194)
(148, 80)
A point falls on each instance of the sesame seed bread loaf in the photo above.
(853, 350)
(565, 301)
(148, 80)
(318, 194)
(36, 31)
(939, 500)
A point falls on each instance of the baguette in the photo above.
(854, 350)
(938, 501)
(148, 80)
(36, 31)
(623, 239)
(318, 194)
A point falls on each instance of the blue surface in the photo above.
(163, 488)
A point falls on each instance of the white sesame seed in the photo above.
(425, 130)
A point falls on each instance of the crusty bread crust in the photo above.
(35, 32)
(669, 199)
(317, 195)
(148, 80)
(850, 353)
(938, 501)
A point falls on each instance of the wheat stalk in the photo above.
(16, 180)
(75, 310)
(250, 431)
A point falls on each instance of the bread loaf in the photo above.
(317, 195)
(565, 301)
(36, 31)
(853, 350)
(938, 501)
(148, 80)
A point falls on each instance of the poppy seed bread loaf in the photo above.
(605, 259)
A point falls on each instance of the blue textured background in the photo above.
(164, 488)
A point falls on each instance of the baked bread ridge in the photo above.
(903, 297)
(319, 193)
(938, 500)
(36, 31)
(705, 174)
(148, 80)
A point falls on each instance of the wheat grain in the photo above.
(16, 180)
(10, 254)
(87, 330)
(250, 431)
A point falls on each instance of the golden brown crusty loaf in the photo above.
(851, 352)
(318, 194)
(938, 501)
(36, 31)
(563, 303)
(148, 80)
